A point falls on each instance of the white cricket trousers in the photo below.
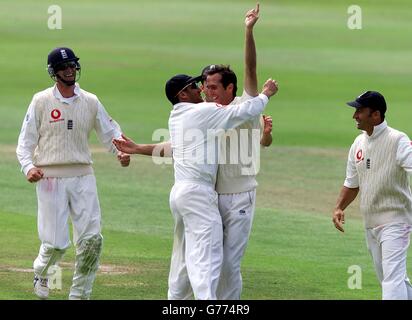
(237, 211)
(388, 245)
(197, 246)
(59, 198)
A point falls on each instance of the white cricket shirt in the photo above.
(195, 130)
(55, 130)
(379, 165)
(240, 155)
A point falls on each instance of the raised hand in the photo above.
(252, 16)
(270, 87)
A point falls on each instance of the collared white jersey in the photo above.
(56, 130)
(403, 156)
(379, 165)
(194, 129)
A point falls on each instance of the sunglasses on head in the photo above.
(65, 65)
(192, 85)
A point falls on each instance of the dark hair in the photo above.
(228, 75)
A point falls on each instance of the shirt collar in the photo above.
(59, 96)
(377, 130)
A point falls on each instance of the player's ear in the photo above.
(376, 114)
(230, 87)
(182, 96)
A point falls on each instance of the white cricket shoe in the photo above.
(41, 287)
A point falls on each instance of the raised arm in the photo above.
(250, 80)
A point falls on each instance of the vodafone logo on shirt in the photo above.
(55, 115)
(359, 155)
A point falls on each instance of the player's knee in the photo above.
(88, 254)
(50, 251)
(51, 254)
(48, 256)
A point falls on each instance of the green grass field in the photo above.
(128, 49)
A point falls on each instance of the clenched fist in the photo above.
(123, 158)
(34, 175)
(270, 87)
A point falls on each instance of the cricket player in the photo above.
(236, 180)
(379, 162)
(197, 248)
(53, 152)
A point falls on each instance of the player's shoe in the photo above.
(41, 287)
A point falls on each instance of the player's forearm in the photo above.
(346, 196)
(157, 150)
(234, 115)
(106, 128)
(25, 159)
(266, 140)
(166, 149)
(250, 82)
(144, 149)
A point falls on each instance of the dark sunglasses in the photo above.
(65, 65)
(192, 85)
